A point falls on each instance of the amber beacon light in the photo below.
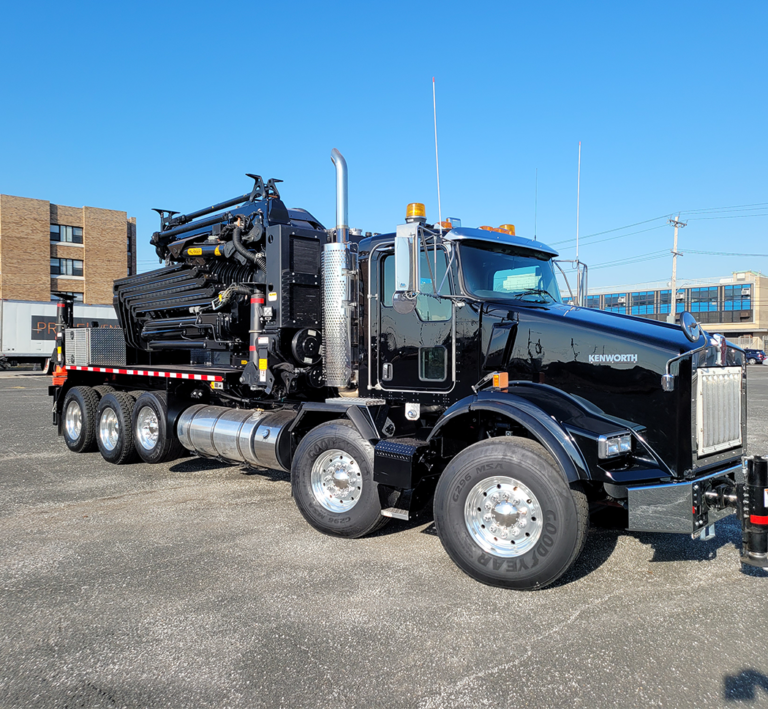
(415, 212)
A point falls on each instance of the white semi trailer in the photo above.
(28, 328)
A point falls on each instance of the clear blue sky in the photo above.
(138, 105)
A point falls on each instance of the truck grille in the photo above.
(718, 409)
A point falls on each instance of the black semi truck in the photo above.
(436, 364)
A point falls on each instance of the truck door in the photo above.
(415, 351)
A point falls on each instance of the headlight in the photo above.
(611, 446)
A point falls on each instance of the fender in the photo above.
(547, 431)
(359, 415)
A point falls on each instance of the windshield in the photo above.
(497, 271)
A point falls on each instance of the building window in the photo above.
(664, 297)
(616, 303)
(77, 296)
(593, 301)
(704, 300)
(67, 234)
(66, 267)
(737, 297)
(642, 303)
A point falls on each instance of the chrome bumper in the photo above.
(678, 508)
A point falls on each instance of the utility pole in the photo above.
(675, 253)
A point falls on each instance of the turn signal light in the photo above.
(501, 380)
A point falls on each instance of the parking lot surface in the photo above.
(198, 584)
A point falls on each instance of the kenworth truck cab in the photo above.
(436, 364)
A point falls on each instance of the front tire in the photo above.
(332, 481)
(506, 516)
(79, 419)
(114, 433)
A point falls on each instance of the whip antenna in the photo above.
(437, 160)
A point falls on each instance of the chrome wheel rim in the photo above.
(109, 429)
(147, 428)
(336, 480)
(503, 516)
(73, 420)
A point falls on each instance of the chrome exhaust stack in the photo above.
(342, 210)
(339, 269)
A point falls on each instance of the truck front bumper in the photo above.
(680, 507)
(693, 506)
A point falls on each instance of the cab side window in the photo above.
(387, 279)
(428, 307)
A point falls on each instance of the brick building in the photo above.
(46, 247)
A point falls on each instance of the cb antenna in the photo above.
(437, 160)
(536, 205)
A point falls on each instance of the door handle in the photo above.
(386, 372)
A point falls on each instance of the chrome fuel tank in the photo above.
(252, 436)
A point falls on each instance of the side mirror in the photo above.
(690, 327)
(407, 258)
(406, 268)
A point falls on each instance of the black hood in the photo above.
(613, 361)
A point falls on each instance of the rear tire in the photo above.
(103, 389)
(155, 441)
(78, 415)
(507, 517)
(114, 433)
(332, 481)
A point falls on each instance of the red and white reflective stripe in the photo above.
(150, 373)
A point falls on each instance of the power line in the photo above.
(732, 216)
(650, 256)
(753, 205)
(609, 231)
(742, 207)
(721, 253)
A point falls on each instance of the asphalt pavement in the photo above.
(197, 584)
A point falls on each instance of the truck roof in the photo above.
(497, 237)
(470, 234)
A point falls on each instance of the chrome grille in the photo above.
(718, 409)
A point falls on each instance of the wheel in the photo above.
(153, 440)
(751, 361)
(507, 517)
(332, 481)
(114, 433)
(79, 419)
(103, 389)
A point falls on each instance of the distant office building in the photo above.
(735, 306)
(47, 248)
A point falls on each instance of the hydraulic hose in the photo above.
(254, 258)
